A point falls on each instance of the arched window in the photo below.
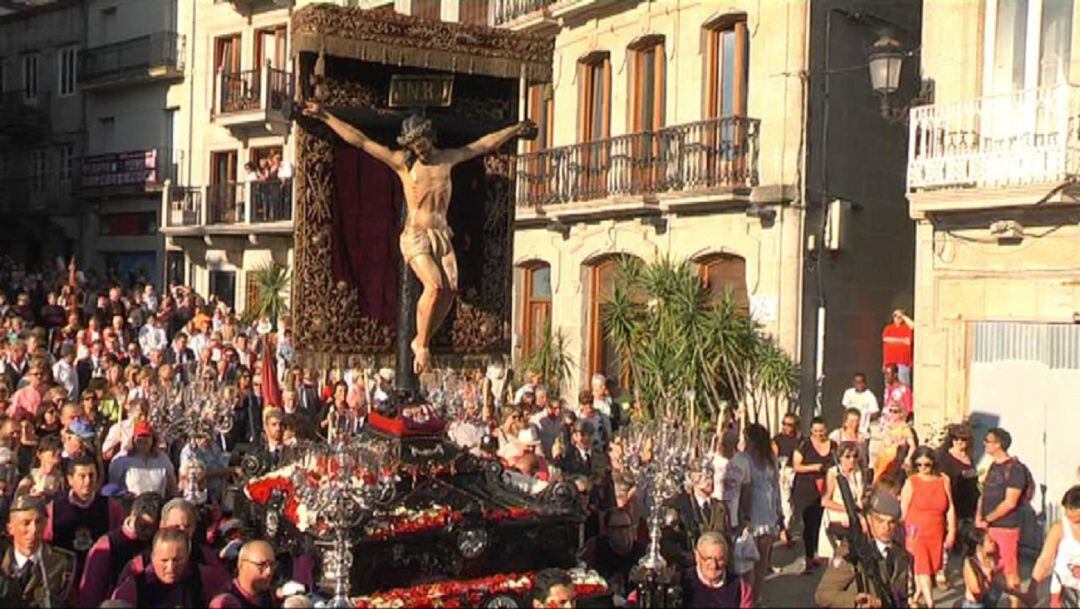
(723, 274)
(603, 357)
(536, 305)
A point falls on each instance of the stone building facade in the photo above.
(991, 182)
(693, 131)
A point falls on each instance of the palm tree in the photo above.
(551, 358)
(688, 354)
(272, 281)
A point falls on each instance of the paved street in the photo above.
(790, 589)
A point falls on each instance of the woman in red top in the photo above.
(929, 520)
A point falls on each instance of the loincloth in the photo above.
(434, 242)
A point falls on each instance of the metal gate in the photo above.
(1025, 377)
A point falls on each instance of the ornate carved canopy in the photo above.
(357, 51)
(386, 37)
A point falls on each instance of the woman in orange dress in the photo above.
(929, 520)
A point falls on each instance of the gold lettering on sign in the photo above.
(421, 90)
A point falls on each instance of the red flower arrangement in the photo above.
(260, 490)
(470, 593)
(403, 521)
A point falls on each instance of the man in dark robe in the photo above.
(171, 580)
(78, 519)
(107, 557)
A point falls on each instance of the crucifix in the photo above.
(425, 241)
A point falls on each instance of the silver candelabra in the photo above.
(342, 482)
(659, 456)
(201, 409)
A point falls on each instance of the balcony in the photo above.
(157, 57)
(253, 102)
(24, 119)
(522, 15)
(230, 211)
(250, 6)
(673, 166)
(993, 151)
(130, 173)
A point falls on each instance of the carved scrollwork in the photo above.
(390, 37)
(329, 323)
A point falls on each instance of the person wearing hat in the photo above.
(842, 586)
(78, 439)
(526, 456)
(32, 572)
(425, 173)
(146, 469)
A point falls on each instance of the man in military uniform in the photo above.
(32, 572)
(843, 586)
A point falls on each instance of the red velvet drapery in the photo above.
(366, 226)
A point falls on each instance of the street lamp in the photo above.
(885, 61)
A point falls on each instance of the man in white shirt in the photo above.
(149, 298)
(200, 340)
(152, 336)
(859, 397)
(64, 371)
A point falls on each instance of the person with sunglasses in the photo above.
(929, 520)
(835, 519)
(998, 511)
(784, 444)
(957, 464)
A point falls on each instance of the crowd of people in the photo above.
(99, 510)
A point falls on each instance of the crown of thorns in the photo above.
(414, 128)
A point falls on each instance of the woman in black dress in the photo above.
(957, 464)
(811, 459)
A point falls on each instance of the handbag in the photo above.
(1070, 597)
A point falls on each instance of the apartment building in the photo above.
(41, 129)
(134, 53)
(695, 130)
(229, 211)
(221, 220)
(992, 185)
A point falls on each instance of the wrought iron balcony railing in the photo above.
(694, 157)
(155, 55)
(1025, 137)
(243, 91)
(184, 206)
(230, 203)
(505, 11)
